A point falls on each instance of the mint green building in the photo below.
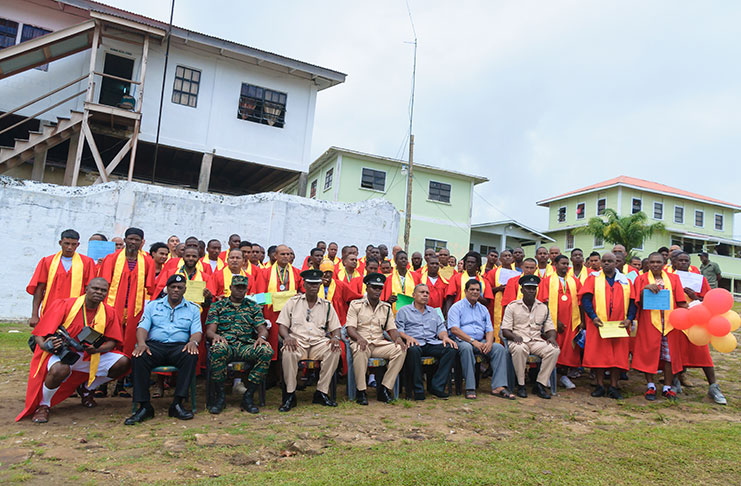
(694, 222)
(441, 199)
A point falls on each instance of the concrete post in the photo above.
(303, 180)
(205, 177)
(39, 164)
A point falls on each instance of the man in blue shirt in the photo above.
(424, 332)
(470, 324)
(168, 334)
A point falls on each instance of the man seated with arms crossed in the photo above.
(304, 322)
(367, 319)
(470, 324)
(168, 335)
(51, 380)
(524, 324)
(237, 331)
(425, 333)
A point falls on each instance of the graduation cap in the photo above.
(175, 278)
(376, 279)
(312, 276)
(529, 280)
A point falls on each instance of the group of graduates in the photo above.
(340, 308)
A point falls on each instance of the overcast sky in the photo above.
(541, 97)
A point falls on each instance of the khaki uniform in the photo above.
(528, 324)
(309, 328)
(370, 324)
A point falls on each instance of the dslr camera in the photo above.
(67, 352)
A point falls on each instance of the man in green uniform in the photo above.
(237, 332)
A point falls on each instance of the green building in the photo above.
(694, 222)
(441, 199)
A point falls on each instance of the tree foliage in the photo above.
(629, 231)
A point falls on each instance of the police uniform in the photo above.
(309, 326)
(370, 323)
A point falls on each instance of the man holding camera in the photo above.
(74, 350)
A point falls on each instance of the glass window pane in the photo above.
(196, 76)
(193, 88)
(186, 86)
(184, 99)
(176, 97)
(178, 84)
(179, 72)
(193, 101)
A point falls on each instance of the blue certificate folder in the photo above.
(658, 301)
(100, 249)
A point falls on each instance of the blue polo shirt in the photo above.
(167, 325)
(474, 319)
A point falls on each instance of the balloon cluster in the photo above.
(710, 322)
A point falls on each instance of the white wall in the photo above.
(211, 126)
(34, 214)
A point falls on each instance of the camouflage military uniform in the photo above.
(238, 323)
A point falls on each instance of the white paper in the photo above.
(505, 274)
(690, 280)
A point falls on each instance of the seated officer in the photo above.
(168, 335)
(528, 327)
(305, 321)
(425, 334)
(237, 331)
(367, 318)
(470, 324)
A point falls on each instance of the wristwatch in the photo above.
(471, 341)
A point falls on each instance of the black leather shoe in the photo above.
(219, 400)
(540, 390)
(361, 398)
(248, 400)
(146, 411)
(614, 393)
(385, 395)
(177, 411)
(323, 399)
(440, 394)
(289, 403)
(521, 391)
(419, 396)
(599, 391)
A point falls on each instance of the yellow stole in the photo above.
(398, 288)
(116, 280)
(207, 261)
(75, 287)
(273, 281)
(228, 280)
(600, 300)
(465, 278)
(98, 325)
(656, 314)
(342, 274)
(198, 277)
(582, 276)
(554, 283)
(549, 270)
(331, 290)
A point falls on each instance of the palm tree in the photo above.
(629, 231)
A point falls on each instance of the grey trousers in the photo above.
(497, 360)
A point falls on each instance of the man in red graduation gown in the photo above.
(220, 282)
(513, 291)
(130, 273)
(697, 356)
(280, 277)
(401, 280)
(173, 264)
(607, 297)
(657, 343)
(233, 242)
(471, 270)
(310, 262)
(50, 380)
(437, 284)
(559, 290)
(60, 276)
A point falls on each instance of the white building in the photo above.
(235, 119)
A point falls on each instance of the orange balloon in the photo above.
(698, 335)
(733, 318)
(718, 301)
(718, 326)
(679, 318)
(699, 315)
(724, 344)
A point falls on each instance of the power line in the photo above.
(493, 206)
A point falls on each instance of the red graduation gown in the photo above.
(570, 355)
(262, 286)
(60, 288)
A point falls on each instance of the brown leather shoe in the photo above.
(88, 401)
(41, 415)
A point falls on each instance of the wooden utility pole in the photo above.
(410, 174)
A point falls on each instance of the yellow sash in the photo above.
(396, 286)
(549, 270)
(75, 287)
(465, 278)
(342, 274)
(330, 291)
(600, 307)
(228, 280)
(116, 280)
(582, 276)
(273, 281)
(207, 261)
(554, 283)
(98, 325)
(656, 314)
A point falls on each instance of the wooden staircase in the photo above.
(48, 137)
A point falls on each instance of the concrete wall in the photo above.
(34, 214)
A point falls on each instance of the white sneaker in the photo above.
(239, 389)
(567, 383)
(716, 395)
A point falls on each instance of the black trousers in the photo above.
(163, 354)
(446, 357)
